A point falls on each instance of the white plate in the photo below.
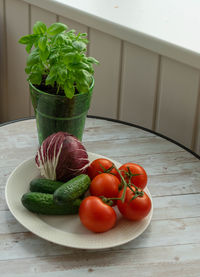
(66, 230)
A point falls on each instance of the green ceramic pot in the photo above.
(56, 113)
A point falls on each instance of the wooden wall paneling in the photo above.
(38, 14)
(197, 127)
(197, 145)
(138, 85)
(178, 93)
(17, 25)
(107, 50)
(3, 99)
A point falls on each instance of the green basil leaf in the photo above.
(28, 39)
(53, 58)
(39, 28)
(54, 69)
(50, 80)
(42, 43)
(81, 88)
(83, 82)
(35, 78)
(92, 60)
(56, 28)
(60, 39)
(85, 76)
(33, 58)
(66, 49)
(79, 45)
(71, 58)
(29, 47)
(69, 90)
(82, 65)
(37, 68)
(44, 54)
(85, 40)
(62, 73)
(28, 69)
(71, 33)
(83, 34)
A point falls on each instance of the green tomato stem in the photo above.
(137, 193)
(124, 183)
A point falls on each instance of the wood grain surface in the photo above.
(169, 247)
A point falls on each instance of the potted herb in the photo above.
(60, 78)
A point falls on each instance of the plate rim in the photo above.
(43, 236)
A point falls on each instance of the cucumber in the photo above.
(42, 203)
(44, 185)
(72, 189)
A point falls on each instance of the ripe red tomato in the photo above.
(135, 209)
(99, 166)
(95, 215)
(140, 180)
(105, 184)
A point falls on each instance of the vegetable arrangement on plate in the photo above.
(70, 184)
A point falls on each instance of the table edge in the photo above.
(121, 122)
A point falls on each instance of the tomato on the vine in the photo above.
(135, 173)
(134, 208)
(95, 215)
(106, 185)
(99, 166)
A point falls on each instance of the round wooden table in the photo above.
(170, 246)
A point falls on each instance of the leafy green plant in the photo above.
(57, 58)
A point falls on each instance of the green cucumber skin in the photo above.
(44, 185)
(43, 203)
(72, 189)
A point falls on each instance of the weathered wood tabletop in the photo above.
(170, 246)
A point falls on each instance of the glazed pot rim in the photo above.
(61, 96)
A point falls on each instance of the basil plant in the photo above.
(57, 58)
